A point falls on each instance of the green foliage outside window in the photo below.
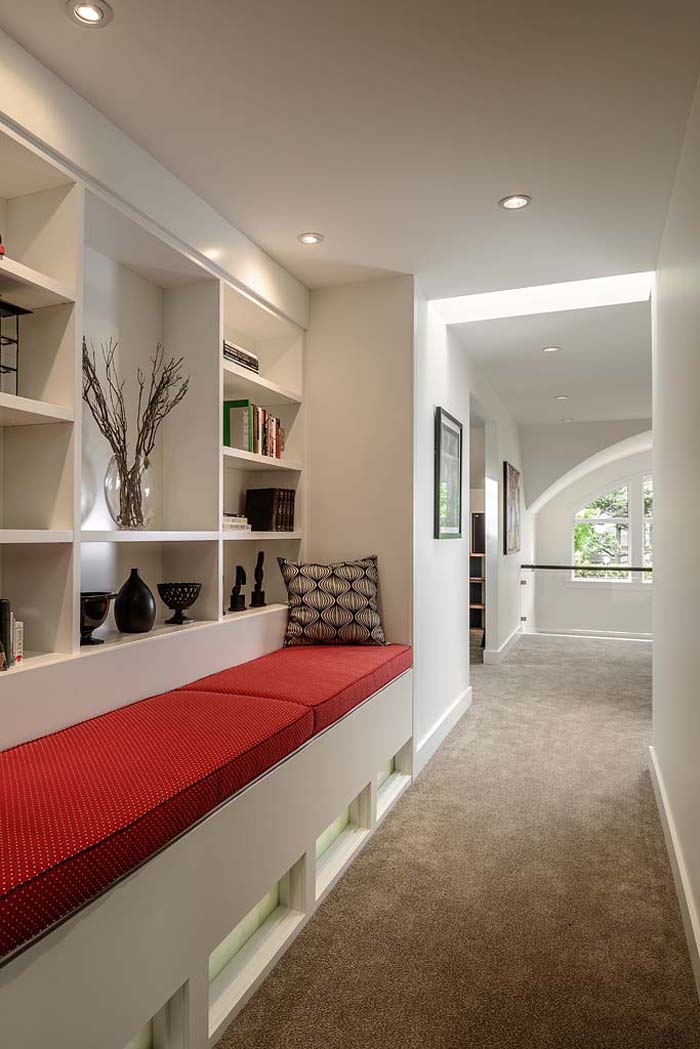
(601, 534)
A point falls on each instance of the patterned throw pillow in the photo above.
(333, 604)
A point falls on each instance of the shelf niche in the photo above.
(106, 566)
(140, 292)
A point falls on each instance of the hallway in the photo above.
(520, 894)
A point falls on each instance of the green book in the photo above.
(238, 424)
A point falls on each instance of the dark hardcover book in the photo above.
(262, 508)
(5, 630)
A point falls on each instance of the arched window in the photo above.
(602, 534)
(615, 528)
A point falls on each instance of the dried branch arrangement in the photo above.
(166, 388)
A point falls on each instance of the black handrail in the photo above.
(586, 568)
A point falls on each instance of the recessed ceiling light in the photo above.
(310, 238)
(92, 14)
(567, 420)
(515, 201)
(551, 349)
(562, 397)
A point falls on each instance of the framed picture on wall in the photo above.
(448, 476)
(511, 509)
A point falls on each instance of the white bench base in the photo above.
(141, 951)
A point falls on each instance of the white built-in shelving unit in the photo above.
(84, 265)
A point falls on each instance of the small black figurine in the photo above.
(257, 598)
(237, 603)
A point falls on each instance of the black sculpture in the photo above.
(257, 598)
(237, 602)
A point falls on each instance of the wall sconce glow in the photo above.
(515, 202)
(551, 349)
(91, 14)
(310, 238)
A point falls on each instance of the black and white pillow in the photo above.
(333, 604)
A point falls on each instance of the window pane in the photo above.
(612, 504)
(648, 496)
(648, 550)
(601, 544)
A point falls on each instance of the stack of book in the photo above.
(270, 509)
(252, 428)
(239, 355)
(236, 523)
(11, 637)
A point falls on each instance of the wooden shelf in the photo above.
(275, 607)
(477, 579)
(23, 411)
(240, 382)
(477, 555)
(25, 287)
(35, 535)
(113, 638)
(260, 537)
(477, 606)
(137, 536)
(240, 460)
(32, 660)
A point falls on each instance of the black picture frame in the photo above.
(512, 496)
(448, 476)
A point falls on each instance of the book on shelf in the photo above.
(270, 509)
(240, 355)
(8, 629)
(252, 429)
(236, 523)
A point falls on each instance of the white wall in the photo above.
(502, 442)
(601, 607)
(551, 449)
(441, 566)
(359, 390)
(35, 100)
(676, 369)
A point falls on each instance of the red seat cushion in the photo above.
(332, 679)
(81, 808)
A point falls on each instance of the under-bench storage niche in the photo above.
(341, 839)
(248, 952)
(392, 781)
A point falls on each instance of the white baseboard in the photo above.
(691, 920)
(494, 656)
(441, 729)
(619, 634)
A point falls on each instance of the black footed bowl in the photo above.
(177, 597)
(94, 606)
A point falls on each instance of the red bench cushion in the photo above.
(81, 808)
(330, 679)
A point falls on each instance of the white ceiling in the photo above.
(394, 127)
(604, 363)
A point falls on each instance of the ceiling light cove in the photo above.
(551, 349)
(91, 14)
(310, 238)
(515, 201)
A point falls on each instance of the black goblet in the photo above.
(94, 606)
(177, 597)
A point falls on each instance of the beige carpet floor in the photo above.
(518, 896)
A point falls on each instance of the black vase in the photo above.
(135, 607)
